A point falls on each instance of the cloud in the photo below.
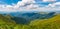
(57, 4)
(23, 5)
(29, 5)
(49, 0)
(24, 2)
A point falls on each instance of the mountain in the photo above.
(32, 15)
(24, 18)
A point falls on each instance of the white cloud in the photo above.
(28, 5)
(49, 0)
(57, 4)
(20, 5)
(24, 2)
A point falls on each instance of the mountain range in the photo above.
(24, 18)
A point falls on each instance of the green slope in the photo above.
(52, 23)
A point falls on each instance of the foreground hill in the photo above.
(6, 22)
(52, 23)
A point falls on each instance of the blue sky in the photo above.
(29, 5)
(10, 2)
(15, 1)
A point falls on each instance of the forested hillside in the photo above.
(10, 22)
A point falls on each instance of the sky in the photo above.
(29, 5)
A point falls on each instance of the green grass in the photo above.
(52, 23)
